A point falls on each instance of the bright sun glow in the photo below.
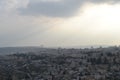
(98, 23)
(97, 17)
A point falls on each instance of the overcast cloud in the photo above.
(59, 8)
(53, 22)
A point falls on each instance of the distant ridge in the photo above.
(37, 49)
(11, 50)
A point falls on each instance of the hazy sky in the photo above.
(62, 23)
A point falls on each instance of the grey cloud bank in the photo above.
(63, 8)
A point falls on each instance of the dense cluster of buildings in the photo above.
(62, 64)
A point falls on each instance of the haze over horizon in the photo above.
(63, 23)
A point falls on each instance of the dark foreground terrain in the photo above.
(62, 64)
